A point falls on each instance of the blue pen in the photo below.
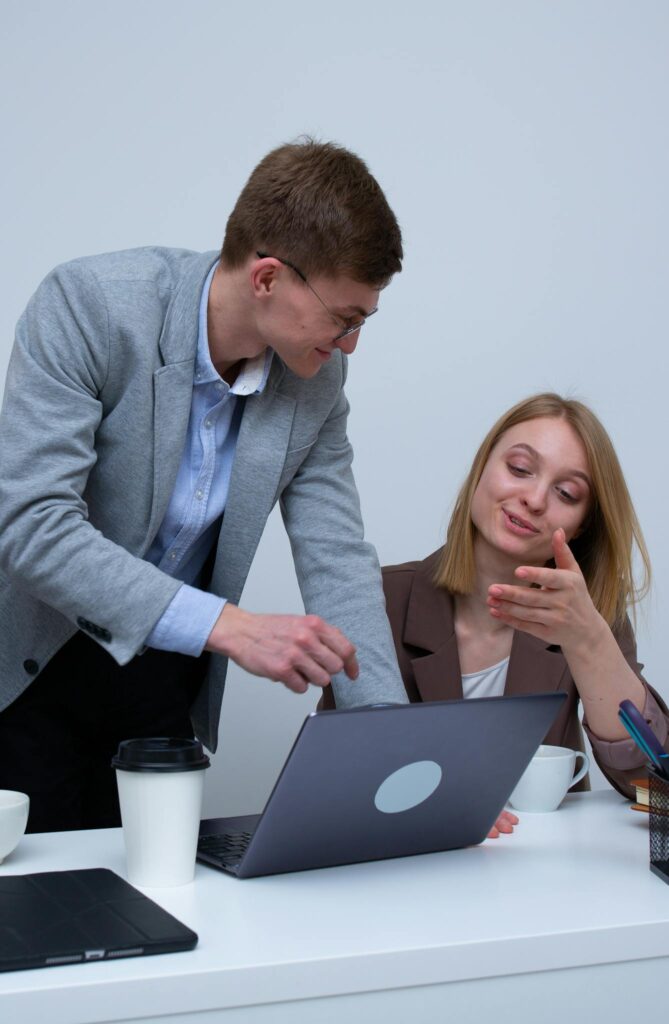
(643, 736)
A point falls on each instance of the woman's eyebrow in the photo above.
(528, 448)
(535, 455)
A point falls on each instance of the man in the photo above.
(158, 404)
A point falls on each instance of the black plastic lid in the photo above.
(160, 754)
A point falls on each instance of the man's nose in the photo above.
(349, 343)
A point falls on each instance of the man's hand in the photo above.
(504, 823)
(291, 649)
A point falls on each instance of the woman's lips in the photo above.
(518, 525)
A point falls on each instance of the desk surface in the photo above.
(567, 889)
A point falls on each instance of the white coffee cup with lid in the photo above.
(160, 786)
(544, 783)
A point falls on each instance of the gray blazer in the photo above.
(92, 428)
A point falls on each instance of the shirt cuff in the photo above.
(187, 621)
(623, 755)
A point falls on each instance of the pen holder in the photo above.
(659, 826)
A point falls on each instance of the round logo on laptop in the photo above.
(408, 787)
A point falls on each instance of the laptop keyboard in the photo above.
(227, 848)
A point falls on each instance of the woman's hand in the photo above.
(504, 823)
(558, 611)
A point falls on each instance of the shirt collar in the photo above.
(253, 374)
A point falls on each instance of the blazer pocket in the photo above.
(294, 459)
(292, 462)
(302, 448)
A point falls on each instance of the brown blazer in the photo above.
(422, 620)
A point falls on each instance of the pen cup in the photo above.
(659, 825)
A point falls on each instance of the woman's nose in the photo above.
(535, 499)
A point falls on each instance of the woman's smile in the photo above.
(516, 524)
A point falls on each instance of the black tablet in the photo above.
(71, 917)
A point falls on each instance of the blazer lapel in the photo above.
(438, 675)
(173, 390)
(429, 626)
(262, 444)
(534, 666)
(173, 385)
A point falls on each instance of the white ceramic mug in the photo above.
(544, 783)
(13, 819)
(160, 784)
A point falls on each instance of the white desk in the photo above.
(561, 919)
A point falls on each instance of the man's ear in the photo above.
(265, 274)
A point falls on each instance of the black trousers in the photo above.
(57, 739)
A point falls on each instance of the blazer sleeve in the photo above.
(48, 424)
(621, 761)
(337, 570)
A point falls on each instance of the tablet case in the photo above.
(68, 917)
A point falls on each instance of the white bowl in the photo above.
(13, 819)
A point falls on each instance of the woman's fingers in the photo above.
(519, 595)
(523, 612)
(504, 824)
(538, 629)
(564, 558)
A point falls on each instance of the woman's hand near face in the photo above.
(558, 610)
(504, 823)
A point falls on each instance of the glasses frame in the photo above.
(337, 319)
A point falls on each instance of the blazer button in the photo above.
(31, 667)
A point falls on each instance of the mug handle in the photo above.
(583, 770)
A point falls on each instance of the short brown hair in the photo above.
(317, 205)
(603, 548)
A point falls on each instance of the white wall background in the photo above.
(524, 147)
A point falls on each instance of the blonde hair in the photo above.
(603, 548)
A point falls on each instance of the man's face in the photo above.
(302, 322)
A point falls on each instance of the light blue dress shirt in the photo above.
(193, 518)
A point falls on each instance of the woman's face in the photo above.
(536, 480)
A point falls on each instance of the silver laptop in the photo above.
(385, 781)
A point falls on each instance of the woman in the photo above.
(531, 590)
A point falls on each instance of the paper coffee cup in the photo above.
(160, 786)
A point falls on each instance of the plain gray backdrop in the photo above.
(524, 147)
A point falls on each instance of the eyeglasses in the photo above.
(352, 328)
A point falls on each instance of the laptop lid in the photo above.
(391, 781)
(67, 917)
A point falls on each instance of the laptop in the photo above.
(71, 917)
(385, 781)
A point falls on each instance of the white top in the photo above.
(568, 889)
(489, 682)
